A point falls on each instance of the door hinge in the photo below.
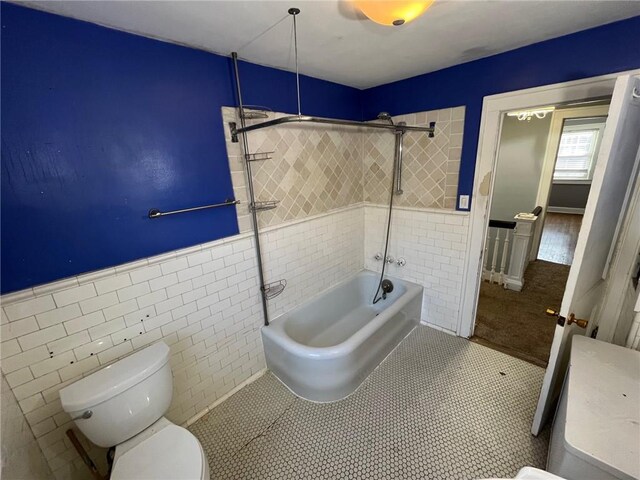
(553, 313)
(561, 320)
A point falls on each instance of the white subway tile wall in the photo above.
(21, 455)
(203, 302)
(433, 243)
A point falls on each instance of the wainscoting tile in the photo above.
(211, 320)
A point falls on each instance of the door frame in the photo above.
(493, 108)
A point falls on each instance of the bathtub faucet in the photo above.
(387, 287)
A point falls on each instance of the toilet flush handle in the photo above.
(86, 415)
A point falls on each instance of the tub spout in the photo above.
(387, 287)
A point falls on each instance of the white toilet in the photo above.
(122, 405)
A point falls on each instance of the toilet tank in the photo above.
(121, 400)
(596, 429)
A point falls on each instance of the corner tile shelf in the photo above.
(258, 156)
(264, 205)
(273, 289)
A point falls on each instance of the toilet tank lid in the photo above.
(114, 379)
(602, 425)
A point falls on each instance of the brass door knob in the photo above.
(578, 321)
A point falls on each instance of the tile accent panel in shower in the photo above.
(430, 165)
(318, 168)
(314, 169)
(203, 302)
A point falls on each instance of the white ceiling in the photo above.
(338, 44)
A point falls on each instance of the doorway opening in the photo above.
(545, 161)
(574, 143)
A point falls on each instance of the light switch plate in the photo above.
(464, 202)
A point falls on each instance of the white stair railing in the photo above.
(507, 249)
(497, 249)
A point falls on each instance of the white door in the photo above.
(614, 168)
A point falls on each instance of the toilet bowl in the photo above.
(122, 406)
(164, 451)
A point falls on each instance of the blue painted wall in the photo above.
(598, 51)
(99, 126)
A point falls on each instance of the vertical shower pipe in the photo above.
(254, 216)
(396, 189)
(398, 162)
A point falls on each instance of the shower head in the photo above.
(386, 117)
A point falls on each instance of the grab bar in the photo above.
(155, 213)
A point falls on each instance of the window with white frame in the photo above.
(577, 152)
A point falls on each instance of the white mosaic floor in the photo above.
(439, 407)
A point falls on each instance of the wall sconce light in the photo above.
(392, 12)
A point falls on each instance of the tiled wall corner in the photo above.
(430, 165)
(433, 243)
(21, 456)
(312, 260)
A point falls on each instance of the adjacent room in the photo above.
(544, 168)
(337, 239)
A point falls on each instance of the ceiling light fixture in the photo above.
(392, 12)
(529, 114)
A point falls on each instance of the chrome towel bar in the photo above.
(155, 213)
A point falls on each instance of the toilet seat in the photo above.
(172, 453)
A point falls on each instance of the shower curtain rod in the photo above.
(330, 121)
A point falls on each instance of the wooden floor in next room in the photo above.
(559, 237)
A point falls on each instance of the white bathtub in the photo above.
(325, 348)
